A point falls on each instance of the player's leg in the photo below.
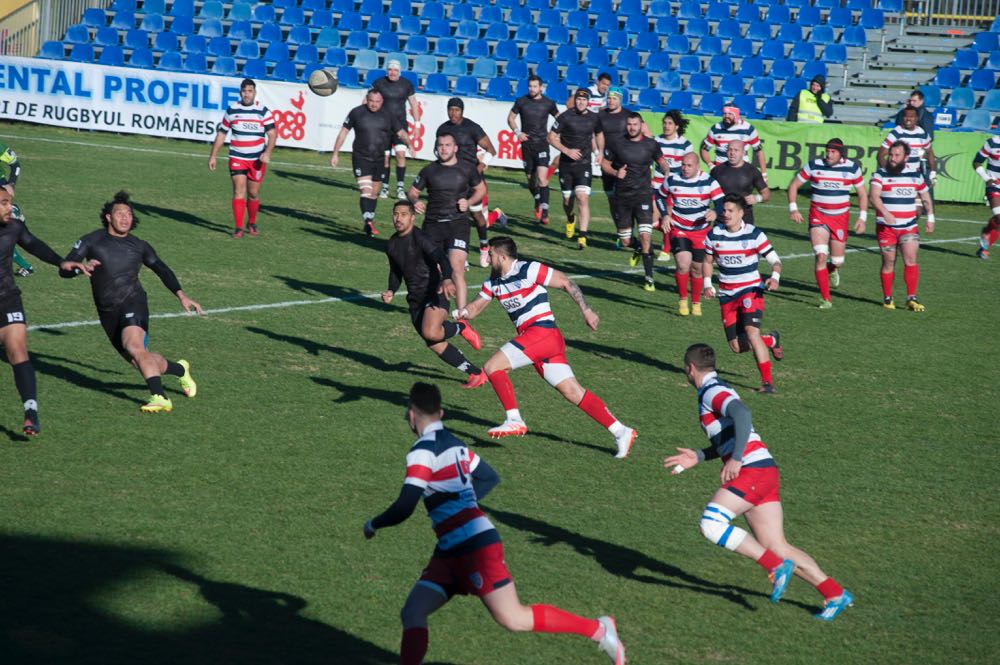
(646, 245)
(819, 236)
(992, 229)
(436, 329)
(457, 259)
(887, 243)
(150, 365)
(497, 368)
(697, 276)
(582, 193)
(239, 200)
(909, 245)
(425, 598)
(24, 268)
(622, 218)
(559, 375)
(530, 172)
(838, 254)
(368, 190)
(482, 228)
(682, 274)
(400, 150)
(254, 182)
(542, 185)
(383, 191)
(14, 337)
(568, 201)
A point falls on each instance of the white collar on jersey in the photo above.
(513, 268)
(433, 427)
(708, 378)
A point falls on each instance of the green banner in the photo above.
(787, 145)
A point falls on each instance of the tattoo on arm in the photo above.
(576, 294)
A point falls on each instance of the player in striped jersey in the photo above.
(732, 128)
(469, 557)
(738, 247)
(750, 487)
(921, 153)
(831, 178)
(989, 155)
(674, 146)
(253, 138)
(691, 196)
(599, 93)
(520, 286)
(894, 192)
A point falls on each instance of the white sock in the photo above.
(514, 414)
(617, 428)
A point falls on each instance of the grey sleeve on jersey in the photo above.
(742, 426)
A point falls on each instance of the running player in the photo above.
(573, 135)
(396, 93)
(894, 190)
(470, 138)
(921, 156)
(597, 101)
(739, 248)
(831, 178)
(520, 286)
(990, 173)
(375, 130)
(534, 110)
(116, 257)
(732, 128)
(750, 487)
(8, 159)
(452, 189)
(612, 120)
(693, 202)
(418, 260)
(13, 323)
(674, 146)
(254, 136)
(738, 176)
(469, 556)
(629, 162)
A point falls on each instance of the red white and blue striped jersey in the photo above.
(719, 137)
(899, 196)
(690, 199)
(673, 151)
(249, 126)
(714, 397)
(990, 153)
(737, 254)
(523, 294)
(831, 185)
(597, 101)
(441, 465)
(917, 138)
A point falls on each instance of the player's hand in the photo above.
(708, 292)
(710, 216)
(797, 217)
(369, 530)
(522, 137)
(749, 199)
(665, 223)
(265, 158)
(888, 218)
(481, 166)
(929, 227)
(334, 159)
(387, 296)
(463, 205)
(211, 163)
(859, 226)
(684, 459)
(420, 207)
(189, 305)
(591, 318)
(573, 153)
(460, 314)
(730, 470)
(771, 284)
(933, 178)
(412, 153)
(622, 172)
(449, 289)
(73, 266)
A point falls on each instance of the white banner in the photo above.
(190, 106)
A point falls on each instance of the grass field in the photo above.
(230, 530)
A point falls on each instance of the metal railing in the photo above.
(963, 13)
(23, 32)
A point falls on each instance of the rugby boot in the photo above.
(384, 194)
(682, 307)
(624, 442)
(188, 385)
(252, 230)
(888, 303)
(610, 644)
(649, 285)
(834, 278)
(238, 233)
(508, 428)
(767, 389)
(32, 426)
(400, 192)
(780, 577)
(633, 260)
(470, 335)
(914, 305)
(664, 256)
(476, 380)
(570, 227)
(825, 304)
(776, 350)
(696, 309)
(581, 243)
(835, 606)
(984, 254)
(157, 404)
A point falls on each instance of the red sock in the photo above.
(239, 208)
(549, 619)
(414, 646)
(769, 560)
(992, 236)
(697, 286)
(911, 275)
(682, 284)
(253, 205)
(666, 243)
(504, 389)
(823, 280)
(550, 172)
(765, 371)
(829, 588)
(887, 278)
(594, 407)
(768, 340)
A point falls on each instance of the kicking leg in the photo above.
(425, 598)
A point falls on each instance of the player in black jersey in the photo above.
(629, 162)
(612, 121)
(453, 188)
(397, 91)
(115, 256)
(534, 110)
(740, 177)
(470, 137)
(375, 129)
(13, 323)
(573, 135)
(418, 260)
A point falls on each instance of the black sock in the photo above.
(457, 359)
(27, 388)
(452, 328)
(174, 369)
(385, 175)
(744, 343)
(543, 196)
(400, 175)
(647, 264)
(368, 209)
(155, 384)
(582, 234)
(482, 232)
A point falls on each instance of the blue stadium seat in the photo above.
(835, 54)
(249, 49)
(484, 68)
(689, 64)
(678, 44)
(462, 12)
(387, 41)
(759, 32)
(808, 17)
(790, 32)
(220, 47)
(94, 18)
(182, 25)
(324, 19)
(797, 4)
(264, 13)
(967, 58)
(315, 66)
(637, 79)
(991, 102)
(605, 22)
(822, 34)
(446, 46)
(854, 36)
(342, 6)
(597, 57)
(697, 27)
(412, 78)
(520, 15)
(548, 18)
(948, 77)
(773, 50)
(432, 10)
(983, 79)
(152, 23)
(668, 81)
(276, 52)
(536, 53)
(628, 59)
(682, 100)
(813, 69)
(650, 99)
(467, 86)
(194, 44)
(477, 48)
(648, 42)
(616, 40)
(859, 5)
(357, 39)
(932, 95)
(53, 50)
(700, 83)
(106, 37)
(350, 21)
(963, 98)
(438, 27)
(747, 104)
(709, 46)
(720, 65)
(112, 56)
(711, 104)
(558, 90)
(752, 67)
(558, 34)
(731, 85)
(240, 30)
(782, 69)
(793, 87)
(467, 30)
(224, 66)
(627, 7)
(154, 6)
(762, 87)
(337, 57)
(500, 89)
(840, 17)
(455, 66)
(775, 107)
(566, 54)
(171, 62)
(142, 58)
(211, 9)
(348, 77)
(416, 45)
(658, 62)
(577, 76)
(587, 38)
(718, 11)
(728, 29)
(182, 8)
(166, 41)
(285, 71)
(123, 21)
(123, 6)
(660, 8)
(741, 47)
(211, 28)
(637, 24)
(77, 34)
(506, 50)
(567, 5)
(365, 59)
(778, 15)
(425, 64)
(497, 31)
(195, 63)
(827, 4)
(257, 69)
(689, 9)
(409, 25)
(240, 11)
(803, 51)
(293, 16)
(526, 33)
(518, 69)
(666, 26)
(872, 19)
(328, 38)
(978, 120)
(547, 71)
(576, 20)
(748, 13)
(306, 54)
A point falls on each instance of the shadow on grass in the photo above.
(15, 436)
(58, 367)
(619, 353)
(181, 216)
(813, 290)
(344, 293)
(327, 180)
(52, 613)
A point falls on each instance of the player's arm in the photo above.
(925, 197)
(663, 164)
(687, 458)
(771, 283)
(398, 512)
(761, 161)
(484, 478)
(609, 168)
(556, 142)
(272, 140)
(706, 273)
(404, 136)
(220, 139)
(560, 281)
(512, 123)
(486, 144)
(875, 194)
(742, 426)
(977, 166)
(478, 192)
(705, 155)
(415, 109)
(39, 248)
(433, 252)
(793, 195)
(341, 137)
(169, 279)
(395, 279)
(931, 164)
(859, 187)
(599, 143)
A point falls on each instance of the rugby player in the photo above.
(254, 136)
(921, 156)
(116, 256)
(674, 146)
(534, 110)
(738, 247)
(732, 128)
(469, 556)
(396, 93)
(750, 487)
(989, 155)
(574, 136)
(894, 190)
(612, 121)
(13, 322)
(9, 159)
(690, 197)
(740, 177)
(597, 101)
(520, 286)
(831, 178)
(375, 130)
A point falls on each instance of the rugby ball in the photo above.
(323, 82)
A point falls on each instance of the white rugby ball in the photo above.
(323, 82)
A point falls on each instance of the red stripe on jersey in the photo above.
(445, 473)
(750, 251)
(527, 324)
(719, 399)
(543, 273)
(707, 419)
(512, 294)
(246, 144)
(738, 285)
(419, 472)
(457, 520)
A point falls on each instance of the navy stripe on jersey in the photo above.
(831, 185)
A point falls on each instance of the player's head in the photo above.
(615, 98)
(456, 109)
(248, 91)
(403, 213)
(910, 115)
(6, 203)
(835, 150)
(689, 165)
(581, 100)
(117, 215)
(633, 125)
(393, 70)
(735, 152)
(503, 252)
(674, 123)
(733, 208)
(603, 83)
(698, 359)
(730, 115)
(373, 100)
(535, 86)
(424, 405)
(446, 148)
(916, 99)
(898, 153)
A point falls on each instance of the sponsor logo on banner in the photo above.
(508, 147)
(291, 124)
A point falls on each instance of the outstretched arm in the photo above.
(398, 512)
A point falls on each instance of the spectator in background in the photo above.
(813, 104)
(925, 119)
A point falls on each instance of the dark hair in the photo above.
(121, 198)
(679, 120)
(248, 82)
(902, 144)
(734, 198)
(919, 94)
(536, 77)
(604, 76)
(912, 109)
(405, 202)
(701, 356)
(444, 134)
(633, 114)
(425, 398)
(505, 244)
(373, 91)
